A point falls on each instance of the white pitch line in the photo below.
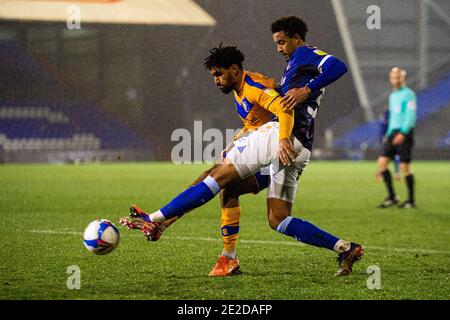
(71, 233)
(252, 241)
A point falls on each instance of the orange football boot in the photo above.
(225, 267)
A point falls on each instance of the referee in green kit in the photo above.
(399, 138)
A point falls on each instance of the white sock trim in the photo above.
(157, 216)
(212, 184)
(229, 254)
(283, 225)
(341, 246)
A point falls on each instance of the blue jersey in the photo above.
(309, 66)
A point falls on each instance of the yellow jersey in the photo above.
(257, 103)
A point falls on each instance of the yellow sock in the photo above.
(230, 229)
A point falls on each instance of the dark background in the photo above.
(152, 77)
(152, 80)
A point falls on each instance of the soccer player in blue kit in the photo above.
(308, 71)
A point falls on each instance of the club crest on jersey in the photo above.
(246, 105)
(243, 108)
(412, 105)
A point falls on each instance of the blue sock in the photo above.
(193, 197)
(307, 232)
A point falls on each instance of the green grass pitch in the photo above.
(45, 208)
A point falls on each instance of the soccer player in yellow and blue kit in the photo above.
(399, 138)
(253, 116)
(273, 145)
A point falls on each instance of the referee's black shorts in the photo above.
(404, 150)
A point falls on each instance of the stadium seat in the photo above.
(57, 120)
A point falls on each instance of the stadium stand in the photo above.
(444, 143)
(398, 43)
(31, 118)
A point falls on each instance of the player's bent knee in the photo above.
(225, 174)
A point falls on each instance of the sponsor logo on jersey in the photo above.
(320, 52)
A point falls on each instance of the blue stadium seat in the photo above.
(444, 143)
(56, 121)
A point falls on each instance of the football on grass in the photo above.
(101, 236)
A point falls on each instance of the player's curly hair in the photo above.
(291, 26)
(224, 57)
